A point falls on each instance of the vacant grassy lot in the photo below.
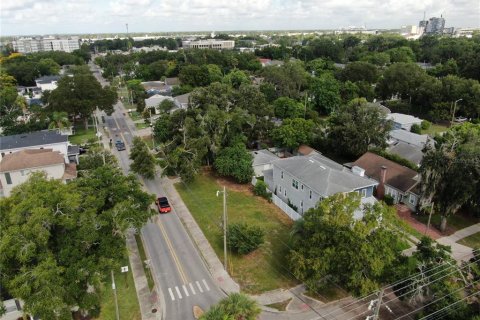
(472, 241)
(134, 115)
(127, 298)
(262, 270)
(141, 125)
(82, 136)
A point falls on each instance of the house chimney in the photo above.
(381, 185)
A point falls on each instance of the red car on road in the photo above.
(163, 205)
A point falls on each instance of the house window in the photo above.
(301, 204)
(310, 194)
(412, 199)
(280, 189)
(302, 186)
(295, 184)
(8, 178)
(282, 174)
(285, 192)
(364, 193)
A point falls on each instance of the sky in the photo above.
(37, 17)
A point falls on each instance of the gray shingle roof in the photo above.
(47, 79)
(37, 138)
(263, 157)
(407, 151)
(323, 175)
(418, 140)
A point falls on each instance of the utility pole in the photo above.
(224, 226)
(454, 109)
(95, 120)
(377, 306)
(115, 296)
(151, 128)
(429, 218)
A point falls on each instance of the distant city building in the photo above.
(434, 25)
(208, 44)
(450, 30)
(409, 30)
(40, 44)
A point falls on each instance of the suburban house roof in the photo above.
(155, 100)
(47, 79)
(263, 157)
(37, 138)
(159, 85)
(172, 81)
(379, 106)
(397, 176)
(30, 158)
(70, 171)
(323, 175)
(305, 150)
(403, 118)
(73, 149)
(183, 98)
(408, 137)
(407, 151)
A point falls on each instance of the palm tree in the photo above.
(59, 120)
(236, 306)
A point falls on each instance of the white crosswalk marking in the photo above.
(178, 293)
(206, 285)
(171, 294)
(186, 291)
(199, 286)
(192, 288)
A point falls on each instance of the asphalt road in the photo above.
(181, 277)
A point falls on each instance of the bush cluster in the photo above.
(243, 239)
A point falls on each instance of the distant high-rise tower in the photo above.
(435, 25)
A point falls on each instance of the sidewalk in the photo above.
(460, 252)
(219, 275)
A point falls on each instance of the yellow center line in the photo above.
(172, 252)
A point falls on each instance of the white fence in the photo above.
(282, 205)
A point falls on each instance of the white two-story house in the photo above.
(39, 140)
(15, 168)
(302, 181)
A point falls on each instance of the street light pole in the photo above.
(151, 128)
(454, 108)
(115, 296)
(224, 226)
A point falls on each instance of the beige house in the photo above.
(16, 167)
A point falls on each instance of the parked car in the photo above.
(120, 145)
(163, 205)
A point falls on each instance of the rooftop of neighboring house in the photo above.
(183, 98)
(159, 85)
(263, 157)
(37, 138)
(155, 100)
(305, 150)
(407, 151)
(323, 175)
(408, 137)
(172, 81)
(379, 106)
(70, 171)
(397, 176)
(47, 79)
(30, 158)
(403, 118)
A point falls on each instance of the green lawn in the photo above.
(127, 298)
(123, 94)
(141, 125)
(82, 136)
(262, 270)
(434, 129)
(472, 241)
(143, 256)
(134, 115)
(456, 222)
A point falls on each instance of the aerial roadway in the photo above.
(180, 275)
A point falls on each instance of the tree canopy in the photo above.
(328, 242)
(60, 241)
(143, 161)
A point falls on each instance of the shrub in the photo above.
(243, 239)
(416, 128)
(388, 199)
(426, 125)
(261, 190)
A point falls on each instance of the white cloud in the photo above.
(85, 16)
